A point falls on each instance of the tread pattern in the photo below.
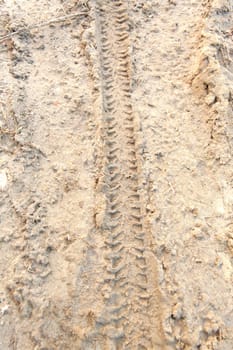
(125, 321)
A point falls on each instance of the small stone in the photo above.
(173, 252)
(3, 180)
(211, 324)
(177, 311)
(194, 211)
(4, 310)
(210, 327)
(197, 233)
(210, 99)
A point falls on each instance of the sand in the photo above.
(116, 187)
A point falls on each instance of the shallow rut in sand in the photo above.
(129, 311)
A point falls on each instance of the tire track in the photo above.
(126, 318)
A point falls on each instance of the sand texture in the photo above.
(116, 175)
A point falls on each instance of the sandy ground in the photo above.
(116, 183)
